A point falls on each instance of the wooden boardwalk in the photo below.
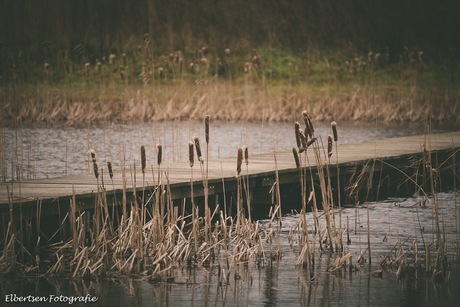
(260, 167)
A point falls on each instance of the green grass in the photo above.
(282, 84)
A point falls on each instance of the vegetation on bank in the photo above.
(262, 84)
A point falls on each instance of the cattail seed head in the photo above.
(334, 131)
(92, 152)
(297, 134)
(159, 154)
(143, 161)
(96, 170)
(206, 128)
(109, 166)
(329, 145)
(239, 161)
(309, 129)
(303, 139)
(296, 157)
(311, 141)
(198, 148)
(246, 155)
(191, 154)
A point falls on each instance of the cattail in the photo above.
(159, 153)
(206, 128)
(329, 145)
(311, 141)
(296, 157)
(109, 166)
(303, 140)
(239, 160)
(93, 155)
(246, 155)
(143, 162)
(93, 158)
(309, 129)
(96, 170)
(190, 153)
(198, 148)
(297, 134)
(334, 131)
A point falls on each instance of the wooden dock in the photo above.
(54, 194)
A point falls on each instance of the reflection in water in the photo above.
(50, 152)
(280, 282)
(270, 287)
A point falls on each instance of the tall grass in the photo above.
(271, 81)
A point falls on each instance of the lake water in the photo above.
(37, 152)
(49, 152)
(396, 222)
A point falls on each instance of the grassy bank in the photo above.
(265, 84)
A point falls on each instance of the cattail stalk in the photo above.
(339, 200)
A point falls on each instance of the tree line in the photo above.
(37, 25)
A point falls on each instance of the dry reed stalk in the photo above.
(248, 198)
(239, 205)
(368, 237)
(339, 196)
(278, 193)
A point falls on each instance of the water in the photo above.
(34, 152)
(404, 223)
(37, 152)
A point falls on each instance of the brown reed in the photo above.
(206, 128)
(239, 161)
(198, 149)
(297, 134)
(309, 129)
(334, 131)
(159, 154)
(191, 153)
(95, 167)
(109, 167)
(143, 160)
(296, 157)
(329, 146)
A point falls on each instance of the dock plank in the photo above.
(181, 173)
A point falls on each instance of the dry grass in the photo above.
(153, 237)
